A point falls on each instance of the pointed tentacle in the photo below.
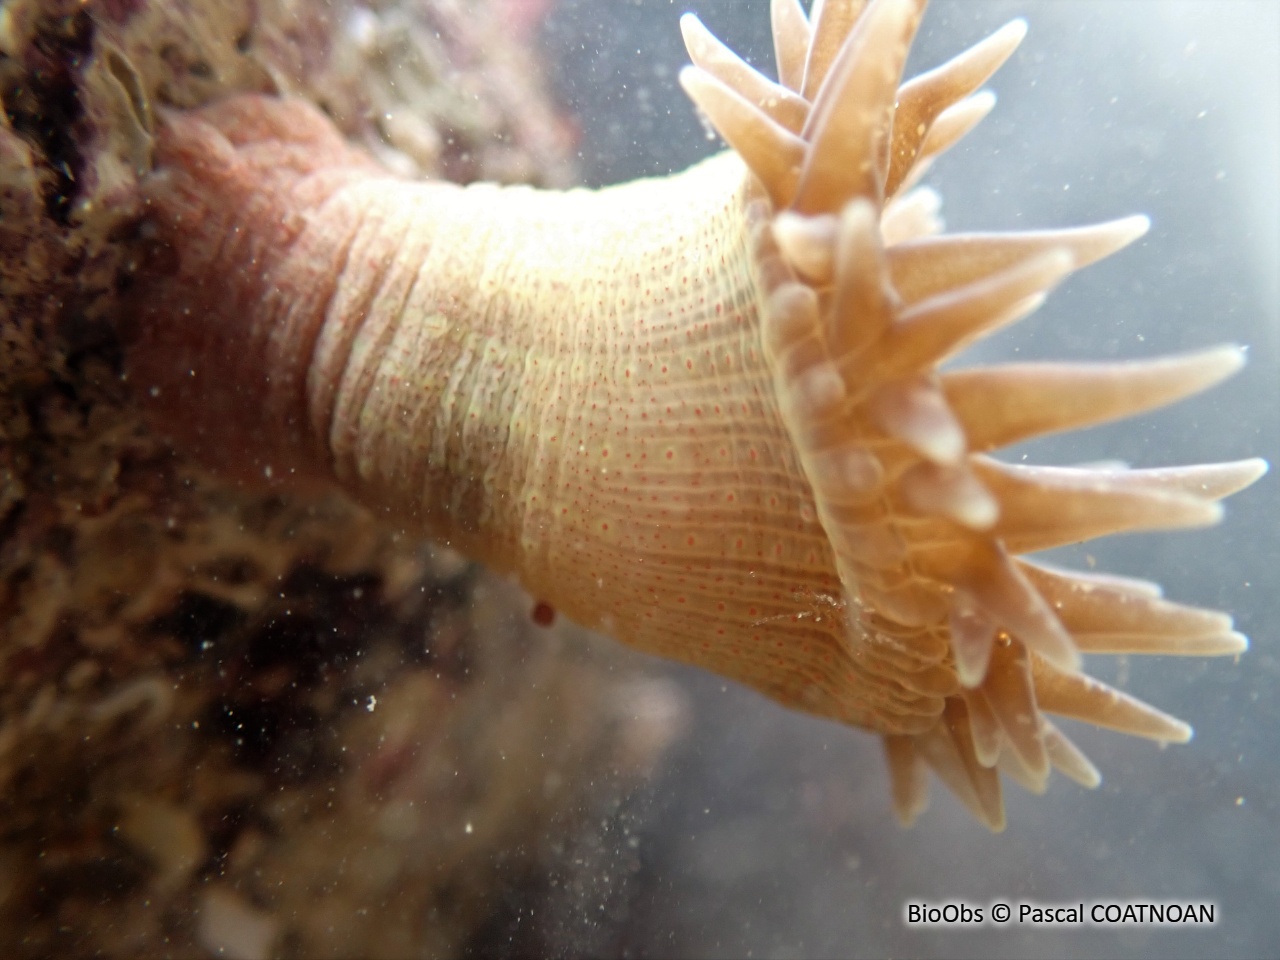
(922, 99)
(1110, 615)
(1007, 404)
(1045, 507)
(931, 331)
(773, 153)
(1011, 693)
(787, 109)
(934, 265)
(1067, 758)
(1084, 698)
(790, 42)
(908, 784)
(830, 22)
(912, 215)
(952, 126)
(855, 105)
(948, 749)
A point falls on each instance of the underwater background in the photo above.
(246, 723)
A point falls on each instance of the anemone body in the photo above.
(700, 413)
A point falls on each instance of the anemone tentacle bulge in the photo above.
(704, 413)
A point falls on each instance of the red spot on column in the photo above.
(544, 614)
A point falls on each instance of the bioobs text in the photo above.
(919, 913)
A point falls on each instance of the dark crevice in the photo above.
(44, 105)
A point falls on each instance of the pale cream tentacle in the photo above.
(790, 42)
(781, 105)
(1010, 403)
(924, 98)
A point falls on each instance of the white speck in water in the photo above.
(372, 704)
(467, 828)
(362, 27)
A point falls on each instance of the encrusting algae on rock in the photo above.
(702, 413)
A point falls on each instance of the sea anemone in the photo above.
(703, 413)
